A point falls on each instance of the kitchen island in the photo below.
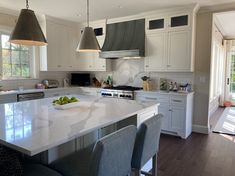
(33, 127)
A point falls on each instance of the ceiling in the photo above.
(75, 10)
(226, 24)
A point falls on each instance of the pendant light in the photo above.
(88, 41)
(27, 30)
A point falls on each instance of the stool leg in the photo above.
(154, 165)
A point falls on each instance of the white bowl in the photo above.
(67, 106)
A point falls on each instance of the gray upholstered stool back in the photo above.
(147, 141)
(112, 154)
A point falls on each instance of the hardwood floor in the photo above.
(199, 155)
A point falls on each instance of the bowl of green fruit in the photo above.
(65, 103)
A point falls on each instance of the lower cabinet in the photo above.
(8, 98)
(164, 110)
(176, 109)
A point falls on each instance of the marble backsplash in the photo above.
(124, 72)
(129, 72)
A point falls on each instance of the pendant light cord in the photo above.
(27, 4)
(88, 13)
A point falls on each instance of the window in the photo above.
(16, 60)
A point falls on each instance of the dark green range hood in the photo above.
(124, 40)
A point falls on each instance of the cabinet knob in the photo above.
(58, 65)
(146, 65)
(168, 65)
(103, 66)
(170, 110)
(70, 66)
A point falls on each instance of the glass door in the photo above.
(230, 81)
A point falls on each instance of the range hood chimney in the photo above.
(124, 40)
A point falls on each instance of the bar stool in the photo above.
(11, 164)
(147, 145)
(33, 169)
(111, 156)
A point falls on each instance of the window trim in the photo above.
(32, 52)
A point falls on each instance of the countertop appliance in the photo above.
(50, 83)
(80, 79)
(30, 96)
(125, 92)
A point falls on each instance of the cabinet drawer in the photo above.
(177, 100)
(154, 97)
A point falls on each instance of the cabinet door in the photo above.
(179, 22)
(85, 61)
(61, 46)
(164, 110)
(99, 64)
(155, 24)
(52, 54)
(177, 119)
(179, 58)
(156, 59)
(72, 45)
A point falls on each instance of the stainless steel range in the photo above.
(126, 92)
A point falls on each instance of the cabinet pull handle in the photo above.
(170, 110)
(59, 65)
(146, 66)
(149, 98)
(179, 101)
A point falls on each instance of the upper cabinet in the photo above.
(92, 61)
(60, 53)
(178, 21)
(170, 41)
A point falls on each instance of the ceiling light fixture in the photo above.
(27, 30)
(88, 41)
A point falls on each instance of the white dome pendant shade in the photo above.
(88, 41)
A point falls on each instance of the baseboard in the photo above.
(200, 129)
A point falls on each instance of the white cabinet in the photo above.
(156, 52)
(8, 98)
(164, 110)
(160, 23)
(60, 52)
(176, 109)
(177, 116)
(179, 51)
(92, 61)
(170, 41)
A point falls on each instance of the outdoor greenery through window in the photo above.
(15, 59)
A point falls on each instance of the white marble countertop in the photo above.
(35, 126)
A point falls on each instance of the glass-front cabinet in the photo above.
(173, 22)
